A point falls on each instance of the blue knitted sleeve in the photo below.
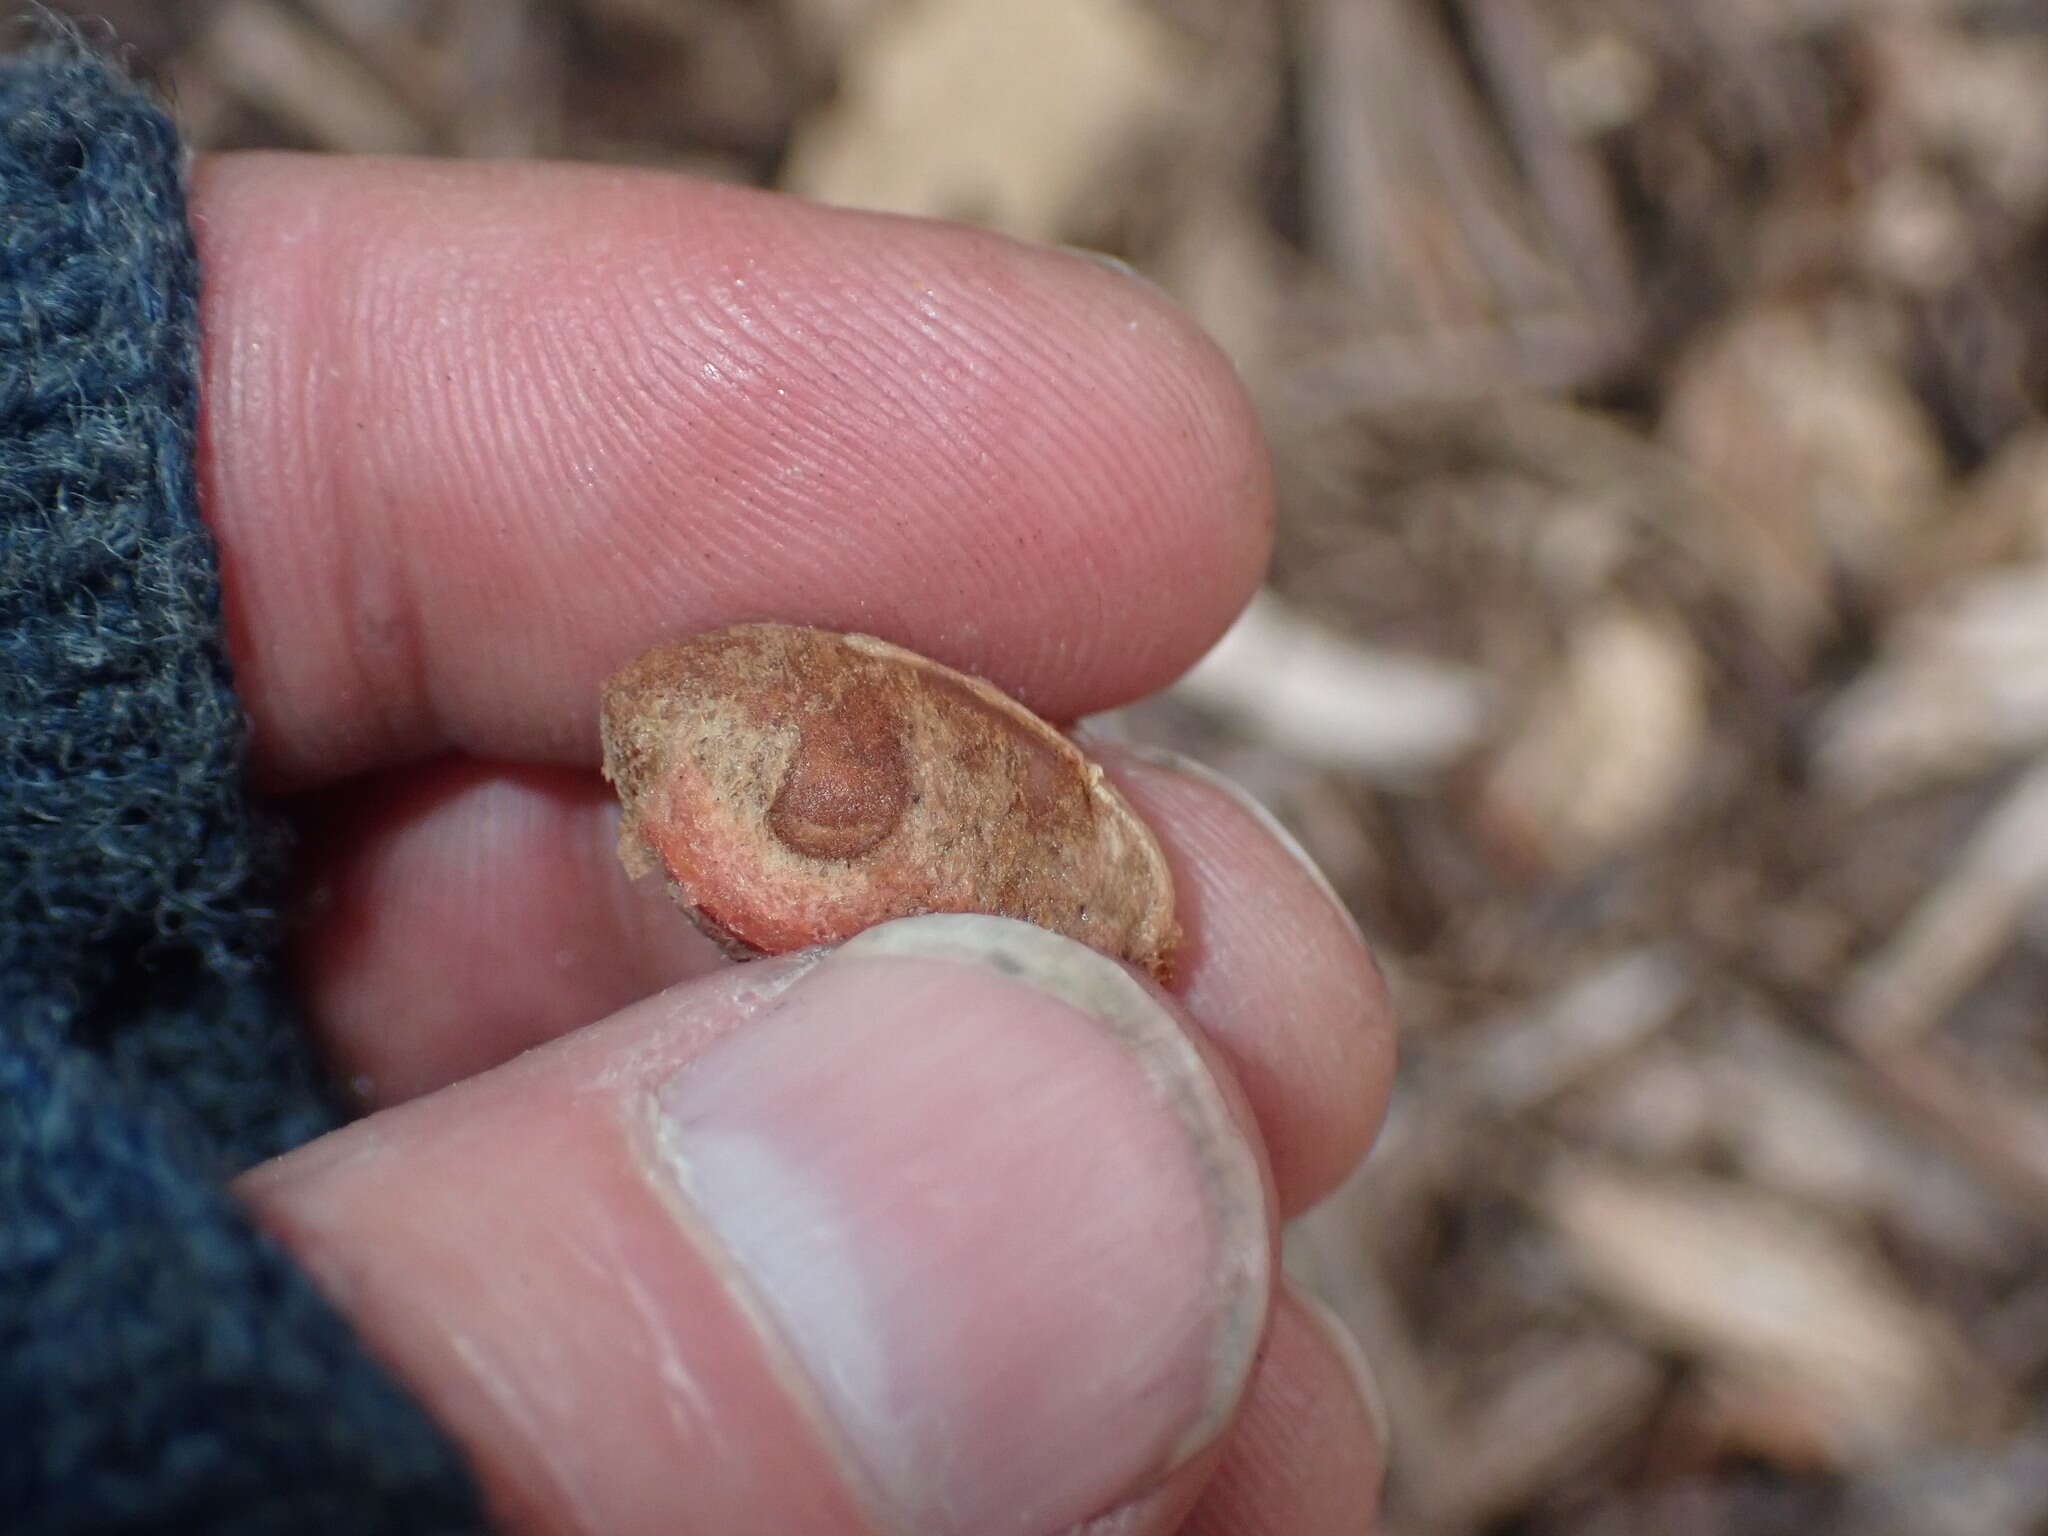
(162, 1365)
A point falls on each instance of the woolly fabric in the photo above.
(162, 1364)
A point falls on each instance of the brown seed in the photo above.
(798, 786)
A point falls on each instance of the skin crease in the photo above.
(473, 436)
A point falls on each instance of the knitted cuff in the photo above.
(162, 1364)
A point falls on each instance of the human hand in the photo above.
(902, 1239)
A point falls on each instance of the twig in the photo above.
(1566, 177)
(1959, 930)
(281, 64)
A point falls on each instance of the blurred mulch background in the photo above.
(1656, 655)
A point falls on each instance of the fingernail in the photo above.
(1121, 267)
(1202, 773)
(978, 1185)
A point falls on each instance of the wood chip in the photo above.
(1980, 101)
(1771, 1296)
(1800, 1121)
(1961, 688)
(1962, 926)
(1521, 1060)
(1607, 750)
(1824, 460)
(286, 67)
(986, 110)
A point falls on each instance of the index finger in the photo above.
(474, 435)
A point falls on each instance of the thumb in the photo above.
(956, 1228)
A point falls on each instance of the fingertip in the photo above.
(1275, 968)
(1308, 1458)
(474, 435)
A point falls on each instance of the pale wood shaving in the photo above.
(1773, 1295)
(283, 65)
(985, 109)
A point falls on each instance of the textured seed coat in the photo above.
(798, 786)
